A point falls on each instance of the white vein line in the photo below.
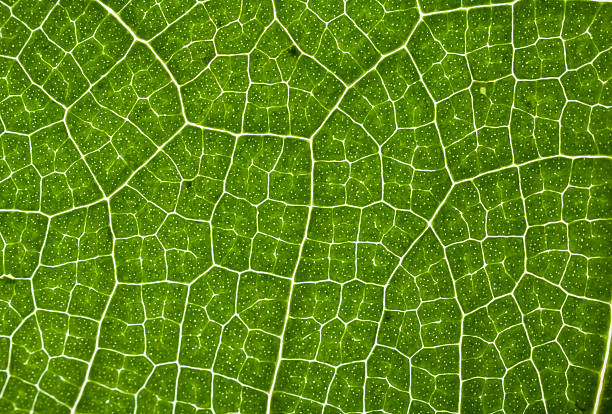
(602, 374)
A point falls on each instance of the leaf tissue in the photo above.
(305, 206)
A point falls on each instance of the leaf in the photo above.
(305, 207)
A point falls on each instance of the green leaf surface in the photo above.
(289, 206)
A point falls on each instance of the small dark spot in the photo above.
(293, 51)
(188, 184)
(579, 407)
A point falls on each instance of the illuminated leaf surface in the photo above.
(291, 206)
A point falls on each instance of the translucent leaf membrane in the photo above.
(292, 206)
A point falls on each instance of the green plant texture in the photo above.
(305, 206)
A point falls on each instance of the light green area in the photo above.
(288, 206)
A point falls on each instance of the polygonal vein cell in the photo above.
(289, 206)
